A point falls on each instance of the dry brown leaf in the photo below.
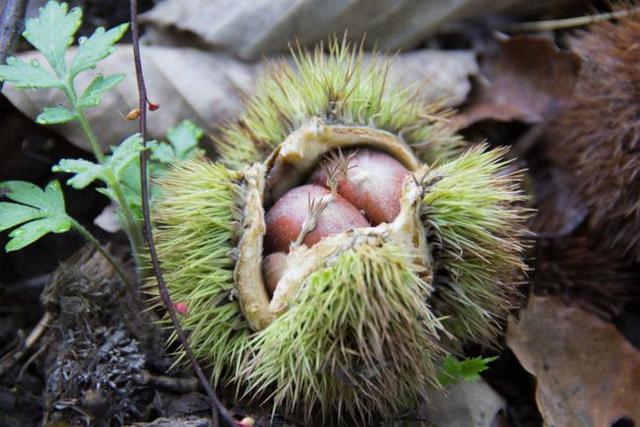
(529, 79)
(588, 375)
(253, 29)
(438, 76)
(207, 88)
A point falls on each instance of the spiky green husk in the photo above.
(196, 233)
(339, 88)
(475, 221)
(367, 332)
(360, 338)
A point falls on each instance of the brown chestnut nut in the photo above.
(330, 214)
(272, 268)
(371, 180)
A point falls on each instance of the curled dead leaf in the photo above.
(528, 79)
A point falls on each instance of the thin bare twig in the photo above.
(177, 385)
(561, 24)
(217, 407)
(34, 336)
(29, 361)
(10, 26)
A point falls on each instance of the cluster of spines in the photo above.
(597, 139)
(581, 271)
(360, 338)
(392, 337)
(197, 229)
(474, 215)
(339, 88)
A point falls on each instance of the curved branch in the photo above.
(216, 404)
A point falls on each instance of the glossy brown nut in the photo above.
(273, 266)
(285, 219)
(373, 183)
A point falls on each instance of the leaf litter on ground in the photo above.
(525, 82)
(209, 87)
(253, 30)
(587, 373)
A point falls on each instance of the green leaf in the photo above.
(54, 197)
(183, 144)
(12, 214)
(184, 139)
(454, 370)
(130, 179)
(55, 115)
(96, 48)
(32, 231)
(85, 172)
(93, 93)
(26, 193)
(125, 153)
(39, 211)
(52, 32)
(27, 74)
(161, 152)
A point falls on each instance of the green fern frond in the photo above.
(196, 222)
(360, 338)
(342, 87)
(473, 213)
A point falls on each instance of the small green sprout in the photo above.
(52, 33)
(183, 144)
(454, 370)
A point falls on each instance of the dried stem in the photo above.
(315, 209)
(578, 21)
(332, 179)
(177, 385)
(33, 337)
(104, 252)
(216, 404)
(10, 26)
(337, 168)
